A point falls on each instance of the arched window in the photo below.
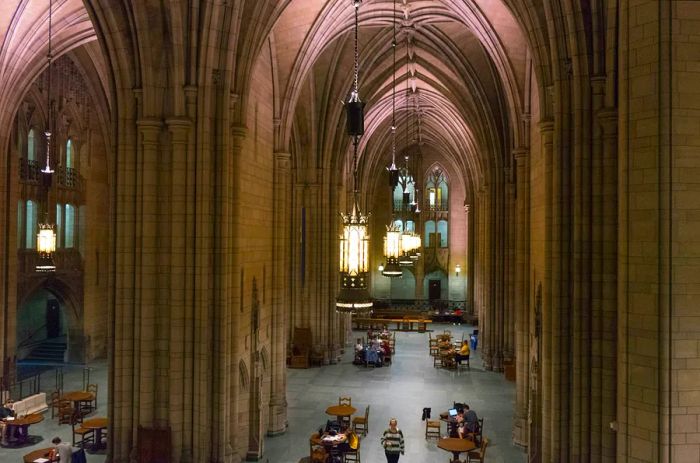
(429, 233)
(69, 154)
(30, 236)
(69, 226)
(20, 224)
(437, 190)
(59, 224)
(410, 226)
(31, 150)
(399, 225)
(442, 231)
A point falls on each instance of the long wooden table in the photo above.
(36, 454)
(402, 324)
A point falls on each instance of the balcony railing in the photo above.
(67, 260)
(442, 206)
(66, 177)
(69, 178)
(29, 171)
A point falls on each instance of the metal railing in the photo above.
(29, 171)
(66, 177)
(34, 384)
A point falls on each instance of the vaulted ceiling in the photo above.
(461, 76)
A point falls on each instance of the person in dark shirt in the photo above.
(6, 411)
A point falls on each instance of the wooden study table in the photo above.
(456, 446)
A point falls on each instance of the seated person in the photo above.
(463, 353)
(62, 451)
(374, 355)
(6, 412)
(472, 421)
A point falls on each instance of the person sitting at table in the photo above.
(5, 412)
(463, 352)
(63, 451)
(372, 355)
(471, 420)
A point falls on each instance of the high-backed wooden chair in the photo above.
(361, 423)
(432, 428)
(301, 348)
(434, 349)
(81, 435)
(66, 412)
(345, 401)
(55, 402)
(92, 389)
(478, 455)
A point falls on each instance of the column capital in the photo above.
(467, 207)
(179, 127)
(239, 131)
(149, 128)
(546, 126)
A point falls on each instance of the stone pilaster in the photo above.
(522, 295)
(281, 298)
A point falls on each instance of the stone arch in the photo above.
(70, 301)
(243, 376)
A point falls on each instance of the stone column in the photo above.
(178, 356)
(522, 295)
(547, 412)
(281, 298)
(608, 335)
(236, 437)
(468, 269)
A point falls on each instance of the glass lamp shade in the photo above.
(354, 265)
(46, 239)
(392, 251)
(46, 246)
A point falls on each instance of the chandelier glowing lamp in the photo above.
(392, 252)
(46, 238)
(354, 242)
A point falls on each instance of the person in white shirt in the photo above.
(64, 451)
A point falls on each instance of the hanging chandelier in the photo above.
(46, 238)
(354, 242)
(392, 240)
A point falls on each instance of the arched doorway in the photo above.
(48, 328)
(435, 285)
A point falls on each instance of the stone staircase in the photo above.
(49, 351)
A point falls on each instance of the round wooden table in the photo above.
(22, 423)
(340, 410)
(96, 424)
(41, 453)
(77, 397)
(456, 446)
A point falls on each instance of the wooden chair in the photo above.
(448, 361)
(434, 349)
(478, 455)
(92, 388)
(432, 428)
(361, 423)
(65, 412)
(345, 401)
(317, 453)
(353, 454)
(55, 402)
(81, 436)
(478, 435)
(437, 361)
(301, 348)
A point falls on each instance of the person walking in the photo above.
(392, 441)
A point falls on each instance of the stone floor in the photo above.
(400, 390)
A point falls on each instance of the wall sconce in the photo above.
(458, 269)
(381, 267)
